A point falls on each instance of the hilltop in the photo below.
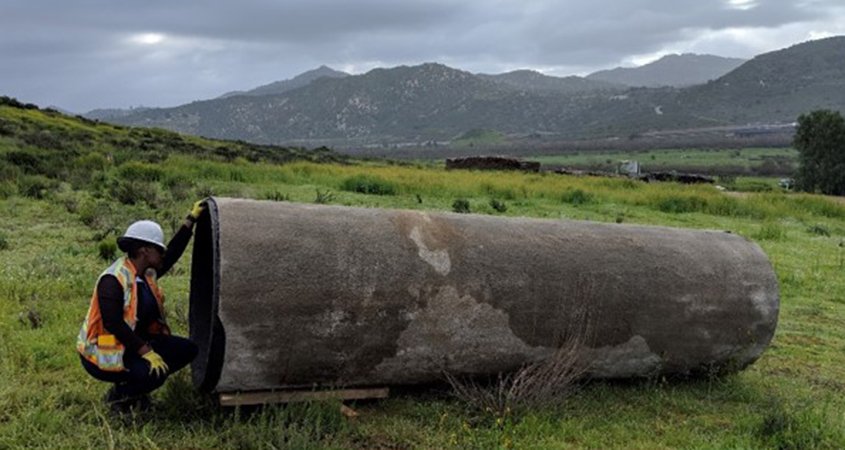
(671, 70)
(280, 87)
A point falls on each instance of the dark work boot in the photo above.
(141, 403)
(117, 402)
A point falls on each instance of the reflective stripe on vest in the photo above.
(96, 344)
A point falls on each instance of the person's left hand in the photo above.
(197, 209)
(157, 364)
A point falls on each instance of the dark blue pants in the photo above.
(137, 380)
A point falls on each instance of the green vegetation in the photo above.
(748, 161)
(365, 184)
(820, 139)
(53, 217)
(461, 206)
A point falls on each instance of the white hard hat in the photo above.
(144, 231)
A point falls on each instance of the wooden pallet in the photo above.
(268, 397)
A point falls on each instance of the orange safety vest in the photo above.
(96, 344)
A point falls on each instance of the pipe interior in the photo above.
(206, 330)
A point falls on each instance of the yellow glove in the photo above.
(157, 364)
(197, 209)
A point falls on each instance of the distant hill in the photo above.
(775, 86)
(425, 102)
(671, 70)
(433, 102)
(280, 87)
(530, 80)
(111, 113)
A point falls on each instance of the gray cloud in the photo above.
(97, 53)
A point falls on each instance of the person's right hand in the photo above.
(157, 364)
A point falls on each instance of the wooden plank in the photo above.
(266, 397)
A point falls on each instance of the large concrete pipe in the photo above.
(287, 295)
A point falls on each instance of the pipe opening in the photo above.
(206, 330)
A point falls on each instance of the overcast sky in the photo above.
(85, 54)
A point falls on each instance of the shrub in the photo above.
(323, 197)
(93, 161)
(36, 186)
(676, 204)
(99, 215)
(770, 231)
(179, 186)
(276, 196)
(540, 384)
(818, 229)
(498, 206)
(107, 248)
(819, 206)
(131, 192)
(577, 197)
(7, 189)
(205, 191)
(731, 207)
(4, 242)
(44, 139)
(237, 175)
(26, 161)
(368, 184)
(9, 171)
(799, 427)
(70, 200)
(620, 217)
(138, 171)
(461, 205)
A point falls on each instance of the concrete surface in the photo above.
(291, 295)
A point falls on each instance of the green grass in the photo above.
(792, 397)
(659, 160)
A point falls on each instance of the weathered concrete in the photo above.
(329, 295)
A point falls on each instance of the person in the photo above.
(124, 338)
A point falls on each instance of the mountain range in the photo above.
(433, 102)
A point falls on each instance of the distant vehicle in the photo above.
(629, 168)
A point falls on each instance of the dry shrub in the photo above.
(539, 384)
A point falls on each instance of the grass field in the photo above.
(793, 396)
(50, 244)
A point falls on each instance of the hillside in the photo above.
(671, 70)
(426, 102)
(280, 87)
(776, 86)
(433, 102)
(61, 147)
(531, 80)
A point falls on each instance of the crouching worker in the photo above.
(125, 339)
